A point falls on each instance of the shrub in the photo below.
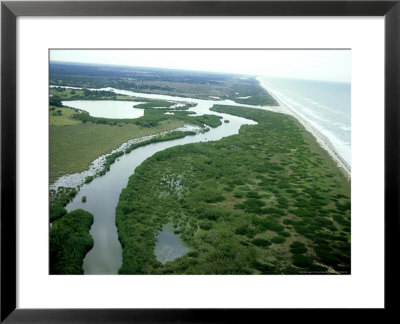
(212, 215)
(261, 242)
(56, 212)
(206, 225)
(298, 250)
(62, 196)
(278, 239)
(83, 199)
(88, 179)
(253, 205)
(297, 244)
(301, 261)
(55, 101)
(284, 234)
(245, 230)
(70, 241)
(193, 254)
(273, 226)
(253, 194)
(214, 199)
(288, 221)
(326, 257)
(264, 268)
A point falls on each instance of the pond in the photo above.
(107, 108)
(168, 246)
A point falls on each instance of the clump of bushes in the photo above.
(253, 194)
(206, 225)
(56, 212)
(326, 256)
(88, 179)
(245, 230)
(166, 137)
(263, 268)
(301, 261)
(193, 254)
(278, 239)
(62, 196)
(70, 241)
(55, 101)
(298, 247)
(284, 234)
(253, 205)
(58, 200)
(111, 159)
(273, 225)
(261, 242)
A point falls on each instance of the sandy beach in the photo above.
(322, 140)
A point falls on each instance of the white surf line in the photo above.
(321, 139)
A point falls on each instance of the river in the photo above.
(102, 194)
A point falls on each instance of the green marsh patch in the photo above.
(74, 147)
(278, 215)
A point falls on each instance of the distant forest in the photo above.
(239, 88)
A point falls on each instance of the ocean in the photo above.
(325, 105)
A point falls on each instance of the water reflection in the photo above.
(168, 246)
(107, 108)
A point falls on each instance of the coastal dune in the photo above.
(321, 139)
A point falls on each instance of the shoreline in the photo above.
(321, 139)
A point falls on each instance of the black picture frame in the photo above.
(10, 10)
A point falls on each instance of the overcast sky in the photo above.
(327, 65)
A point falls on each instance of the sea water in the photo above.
(325, 105)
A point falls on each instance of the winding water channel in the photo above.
(103, 193)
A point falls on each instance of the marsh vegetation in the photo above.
(268, 200)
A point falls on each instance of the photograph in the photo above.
(199, 161)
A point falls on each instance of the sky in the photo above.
(325, 65)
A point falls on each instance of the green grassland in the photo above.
(269, 200)
(62, 116)
(74, 146)
(161, 81)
